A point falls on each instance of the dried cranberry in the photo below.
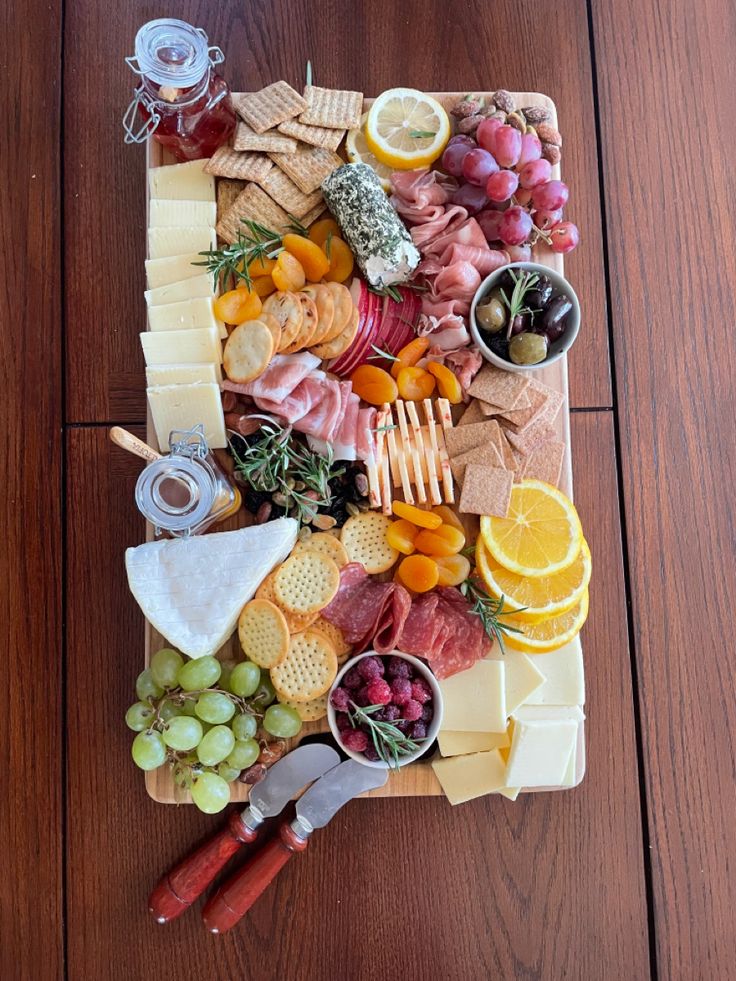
(378, 691)
(352, 678)
(355, 740)
(398, 668)
(412, 711)
(370, 667)
(401, 689)
(340, 699)
(420, 691)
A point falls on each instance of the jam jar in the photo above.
(181, 100)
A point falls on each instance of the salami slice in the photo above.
(359, 606)
(420, 628)
(392, 622)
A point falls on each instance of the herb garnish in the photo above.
(421, 134)
(490, 610)
(385, 355)
(522, 284)
(296, 227)
(388, 740)
(393, 292)
(233, 260)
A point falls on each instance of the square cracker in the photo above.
(313, 215)
(285, 192)
(227, 192)
(487, 454)
(246, 138)
(226, 162)
(463, 438)
(522, 402)
(308, 167)
(268, 107)
(519, 419)
(473, 413)
(499, 387)
(313, 135)
(545, 462)
(333, 108)
(255, 204)
(486, 490)
(533, 436)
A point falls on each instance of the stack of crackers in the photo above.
(506, 434)
(283, 148)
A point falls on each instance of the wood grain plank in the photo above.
(104, 186)
(31, 903)
(671, 242)
(551, 886)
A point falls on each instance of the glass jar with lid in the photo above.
(181, 100)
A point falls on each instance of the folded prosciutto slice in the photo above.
(324, 414)
(344, 445)
(279, 379)
(298, 402)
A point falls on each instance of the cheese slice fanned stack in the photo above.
(193, 589)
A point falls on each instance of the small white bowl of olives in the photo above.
(524, 316)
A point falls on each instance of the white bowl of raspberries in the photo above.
(385, 710)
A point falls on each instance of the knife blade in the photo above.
(333, 790)
(292, 772)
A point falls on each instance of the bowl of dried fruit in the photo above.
(524, 316)
(385, 710)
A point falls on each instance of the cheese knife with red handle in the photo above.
(313, 810)
(177, 890)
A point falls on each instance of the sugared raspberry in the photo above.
(355, 740)
(403, 726)
(352, 678)
(370, 667)
(379, 692)
(361, 697)
(391, 713)
(427, 713)
(380, 714)
(398, 668)
(400, 691)
(420, 691)
(370, 753)
(342, 721)
(419, 731)
(340, 699)
(412, 711)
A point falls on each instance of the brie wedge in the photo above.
(193, 589)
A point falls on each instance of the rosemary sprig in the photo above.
(232, 261)
(297, 227)
(490, 610)
(421, 134)
(328, 245)
(522, 284)
(309, 73)
(380, 354)
(388, 740)
(385, 429)
(393, 291)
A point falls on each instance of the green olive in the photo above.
(491, 316)
(528, 348)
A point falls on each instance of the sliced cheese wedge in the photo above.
(193, 589)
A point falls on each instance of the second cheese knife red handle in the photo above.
(177, 890)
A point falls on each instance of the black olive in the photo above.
(556, 331)
(545, 288)
(522, 321)
(556, 312)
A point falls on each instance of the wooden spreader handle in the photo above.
(177, 890)
(132, 444)
(239, 893)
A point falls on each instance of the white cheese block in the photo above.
(172, 269)
(184, 315)
(466, 777)
(186, 406)
(163, 242)
(182, 346)
(522, 677)
(182, 374)
(454, 743)
(167, 213)
(184, 181)
(193, 589)
(185, 289)
(569, 778)
(475, 700)
(565, 678)
(530, 713)
(540, 752)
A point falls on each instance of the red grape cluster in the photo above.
(508, 187)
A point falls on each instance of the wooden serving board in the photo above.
(417, 779)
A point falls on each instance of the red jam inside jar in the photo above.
(181, 100)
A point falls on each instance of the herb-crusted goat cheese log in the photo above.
(380, 242)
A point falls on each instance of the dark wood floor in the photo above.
(631, 875)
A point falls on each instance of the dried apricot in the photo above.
(288, 274)
(263, 286)
(401, 536)
(415, 384)
(447, 382)
(409, 354)
(453, 569)
(313, 260)
(374, 385)
(418, 517)
(341, 260)
(419, 573)
(321, 229)
(449, 517)
(262, 266)
(237, 306)
(444, 540)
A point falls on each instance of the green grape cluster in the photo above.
(205, 718)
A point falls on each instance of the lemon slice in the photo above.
(540, 536)
(540, 597)
(359, 152)
(549, 635)
(406, 129)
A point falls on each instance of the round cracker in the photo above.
(320, 541)
(308, 669)
(309, 325)
(334, 635)
(343, 310)
(273, 325)
(294, 621)
(263, 633)
(338, 346)
(325, 310)
(365, 541)
(306, 582)
(287, 310)
(311, 711)
(248, 350)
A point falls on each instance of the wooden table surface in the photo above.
(629, 876)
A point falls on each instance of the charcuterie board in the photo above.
(417, 779)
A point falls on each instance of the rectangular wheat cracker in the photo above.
(464, 438)
(227, 192)
(333, 108)
(510, 460)
(486, 490)
(329, 139)
(313, 215)
(545, 462)
(246, 138)
(268, 107)
(501, 388)
(486, 454)
(285, 192)
(254, 204)
(535, 435)
(226, 162)
(520, 419)
(522, 402)
(308, 167)
(473, 413)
